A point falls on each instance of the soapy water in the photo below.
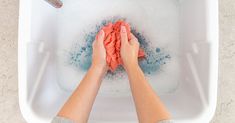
(154, 22)
(80, 56)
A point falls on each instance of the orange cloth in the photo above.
(112, 43)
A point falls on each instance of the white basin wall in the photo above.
(194, 100)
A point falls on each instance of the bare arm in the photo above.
(149, 107)
(79, 105)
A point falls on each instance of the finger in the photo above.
(134, 40)
(134, 43)
(133, 36)
(93, 43)
(100, 36)
(123, 33)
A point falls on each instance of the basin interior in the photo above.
(168, 25)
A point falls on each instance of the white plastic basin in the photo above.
(185, 29)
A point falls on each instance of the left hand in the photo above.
(99, 52)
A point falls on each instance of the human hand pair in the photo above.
(129, 50)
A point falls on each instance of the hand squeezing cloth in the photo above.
(112, 43)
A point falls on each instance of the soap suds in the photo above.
(80, 56)
(156, 20)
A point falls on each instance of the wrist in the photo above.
(131, 67)
(99, 68)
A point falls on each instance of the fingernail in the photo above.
(123, 29)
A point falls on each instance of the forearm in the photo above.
(79, 105)
(149, 107)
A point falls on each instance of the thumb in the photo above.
(123, 33)
(133, 40)
(100, 36)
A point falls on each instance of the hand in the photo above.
(79, 105)
(99, 52)
(129, 49)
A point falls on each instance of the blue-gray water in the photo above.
(80, 56)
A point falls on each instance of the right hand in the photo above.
(129, 49)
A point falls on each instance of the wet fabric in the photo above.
(112, 43)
